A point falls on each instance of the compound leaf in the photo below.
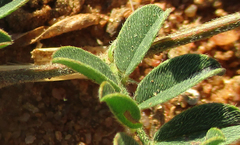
(198, 119)
(124, 108)
(173, 77)
(136, 37)
(231, 134)
(85, 63)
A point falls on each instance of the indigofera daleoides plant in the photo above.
(207, 124)
(213, 123)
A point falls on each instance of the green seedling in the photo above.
(5, 38)
(210, 124)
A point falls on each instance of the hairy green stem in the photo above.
(200, 32)
(143, 136)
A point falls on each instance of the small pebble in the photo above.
(191, 10)
(58, 135)
(199, 2)
(59, 93)
(225, 38)
(220, 12)
(30, 107)
(29, 139)
(67, 137)
(217, 4)
(224, 55)
(108, 122)
(24, 117)
(192, 96)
